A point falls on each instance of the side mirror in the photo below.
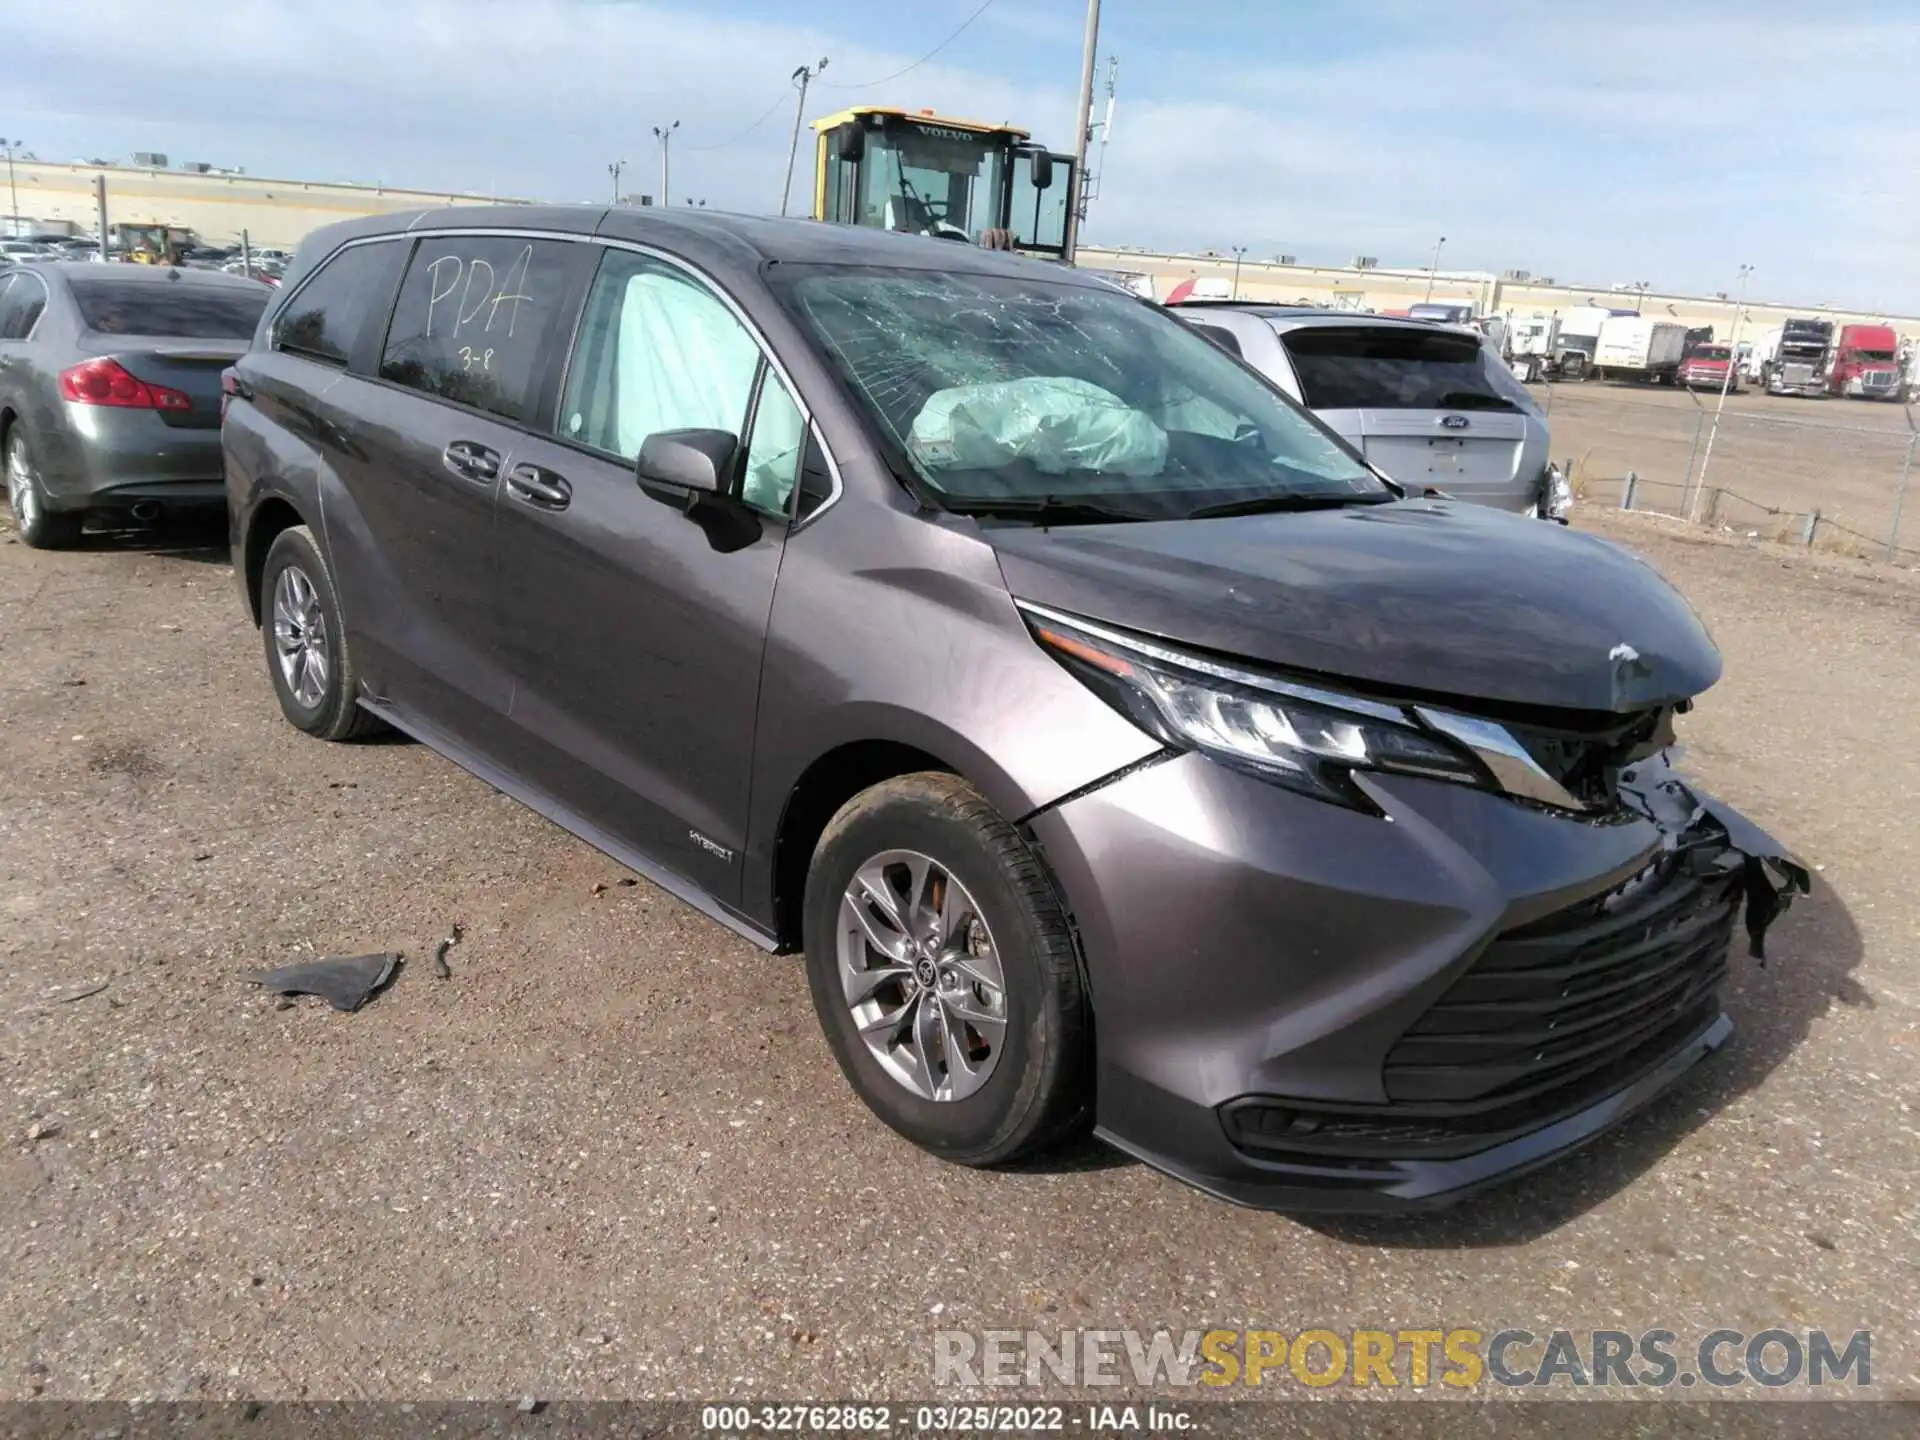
(1042, 170)
(683, 467)
(850, 142)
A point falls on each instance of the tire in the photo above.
(1008, 1097)
(39, 527)
(315, 680)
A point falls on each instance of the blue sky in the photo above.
(1602, 143)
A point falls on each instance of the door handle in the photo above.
(472, 461)
(539, 487)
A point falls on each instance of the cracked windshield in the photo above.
(1000, 390)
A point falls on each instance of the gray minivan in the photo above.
(1118, 748)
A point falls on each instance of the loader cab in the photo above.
(925, 174)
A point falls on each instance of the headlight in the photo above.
(1294, 735)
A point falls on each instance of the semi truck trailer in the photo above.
(1636, 347)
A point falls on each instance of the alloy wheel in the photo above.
(300, 636)
(22, 499)
(922, 976)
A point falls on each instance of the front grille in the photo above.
(1551, 1017)
(1565, 997)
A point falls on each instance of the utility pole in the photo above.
(1433, 273)
(1726, 382)
(1239, 251)
(802, 78)
(100, 205)
(11, 186)
(614, 170)
(665, 137)
(1083, 126)
(1090, 186)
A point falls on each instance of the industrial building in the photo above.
(219, 204)
(216, 204)
(1367, 286)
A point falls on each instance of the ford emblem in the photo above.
(1454, 422)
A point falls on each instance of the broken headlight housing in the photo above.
(1304, 738)
(1556, 496)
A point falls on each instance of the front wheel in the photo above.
(945, 975)
(39, 527)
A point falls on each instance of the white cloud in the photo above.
(1616, 142)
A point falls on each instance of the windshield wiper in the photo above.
(1276, 504)
(1475, 400)
(1044, 510)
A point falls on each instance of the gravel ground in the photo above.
(611, 1157)
(1772, 453)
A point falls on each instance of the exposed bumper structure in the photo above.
(1389, 1013)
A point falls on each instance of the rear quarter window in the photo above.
(1390, 368)
(174, 309)
(23, 296)
(330, 313)
(1218, 334)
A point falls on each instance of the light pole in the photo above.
(1726, 382)
(802, 78)
(665, 137)
(13, 188)
(1433, 271)
(1083, 127)
(614, 170)
(1238, 252)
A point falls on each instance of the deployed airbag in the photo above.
(1055, 423)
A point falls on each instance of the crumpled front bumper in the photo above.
(1273, 977)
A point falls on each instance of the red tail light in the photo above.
(106, 382)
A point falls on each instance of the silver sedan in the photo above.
(110, 389)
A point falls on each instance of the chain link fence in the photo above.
(1830, 474)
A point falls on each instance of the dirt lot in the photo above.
(1842, 457)
(612, 1157)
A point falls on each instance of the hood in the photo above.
(1427, 595)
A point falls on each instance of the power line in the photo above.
(885, 79)
(765, 116)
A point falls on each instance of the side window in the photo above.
(656, 351)
(26, 302)
(816, 481)
(775, 447)
(331, 311)
(472, 316)
(1040, 216)
(23, 296)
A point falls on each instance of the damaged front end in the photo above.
(1554, 500)
(1708, 838)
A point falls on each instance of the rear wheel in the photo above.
(945, 975)
(306, 644)
(39, 527)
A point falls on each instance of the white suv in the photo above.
(1428, 405)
